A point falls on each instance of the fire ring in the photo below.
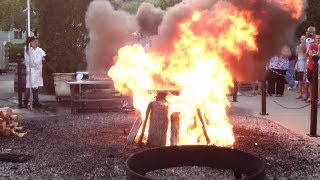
(244, 165)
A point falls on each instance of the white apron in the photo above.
(36, 56)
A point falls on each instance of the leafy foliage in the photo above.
(133, 5)
(15, 49)
(312, 17)
(12, 16)
(63, 36)
(164, 4)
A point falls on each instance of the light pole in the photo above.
(28, 35)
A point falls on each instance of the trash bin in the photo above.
(62, 89)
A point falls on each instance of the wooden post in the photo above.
(144, 125)
(203, 126)
(158, 126)
(314, 99)
(175, 126)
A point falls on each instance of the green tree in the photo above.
(133, 5)
(164, 4)
(11, 15)
(312, 17)
(63, 36)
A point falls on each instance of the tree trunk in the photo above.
(175, 126)
(158, 125)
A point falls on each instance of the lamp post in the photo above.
(27, 12)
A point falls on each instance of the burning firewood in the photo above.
(158, 125)
(135, 129)
(203, 126)
(175, 126)
(9, 123)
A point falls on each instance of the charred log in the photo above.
(175, 126)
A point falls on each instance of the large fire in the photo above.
(196, 66)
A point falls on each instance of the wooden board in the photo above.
(135, 129)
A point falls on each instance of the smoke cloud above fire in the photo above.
(111, 29)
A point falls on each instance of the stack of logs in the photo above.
(9, 123)
(157, 118)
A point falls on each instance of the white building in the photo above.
(13, 36)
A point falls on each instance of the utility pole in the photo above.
(28, 35)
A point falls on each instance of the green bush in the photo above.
(63, 36)
(312, 17)
(15, 49)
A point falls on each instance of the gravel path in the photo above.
(93, 146)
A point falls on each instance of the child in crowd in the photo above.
(300, 66)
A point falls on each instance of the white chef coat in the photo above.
(36, 56)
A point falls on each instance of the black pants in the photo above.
(27, 95)
(276, 81)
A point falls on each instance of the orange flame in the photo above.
(197, 66)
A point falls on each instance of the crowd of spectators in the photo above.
(293, 66)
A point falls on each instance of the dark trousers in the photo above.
(27, 95)
(276, 81)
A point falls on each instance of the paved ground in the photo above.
(287, 111)
(9, 98)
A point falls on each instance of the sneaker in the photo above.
(239, 94)
(290, 88)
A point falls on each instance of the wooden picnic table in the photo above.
(92, 100)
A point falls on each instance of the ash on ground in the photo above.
(94, 146)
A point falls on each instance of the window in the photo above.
(17, 34)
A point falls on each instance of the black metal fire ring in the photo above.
(244, 165)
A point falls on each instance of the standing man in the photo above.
(34, 56)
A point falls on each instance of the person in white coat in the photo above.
(34, 56)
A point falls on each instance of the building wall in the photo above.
(13, 36)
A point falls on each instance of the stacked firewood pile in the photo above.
(9, 123)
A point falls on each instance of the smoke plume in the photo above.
(111, 29)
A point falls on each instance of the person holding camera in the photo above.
(34, 56)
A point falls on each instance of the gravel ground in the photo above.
(93, 146)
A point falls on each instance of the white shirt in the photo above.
(34, 60)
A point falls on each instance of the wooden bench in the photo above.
(88, 95)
